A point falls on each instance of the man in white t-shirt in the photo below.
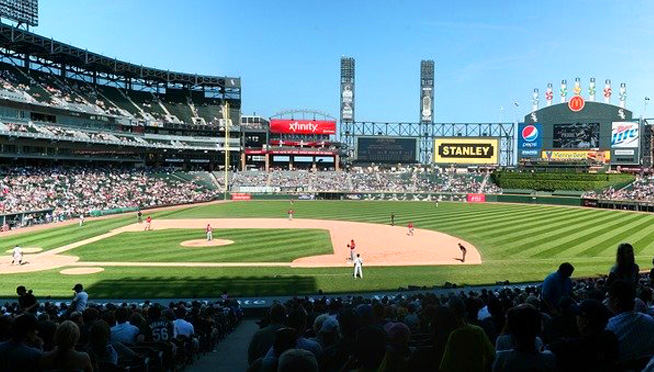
(184, 328)
(81, 298)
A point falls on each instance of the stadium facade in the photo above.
(63, 103)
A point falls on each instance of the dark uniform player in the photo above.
(392, 219)
(463, 252)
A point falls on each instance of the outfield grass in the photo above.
(517, 243)
(250, 245)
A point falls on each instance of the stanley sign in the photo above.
(466, 151)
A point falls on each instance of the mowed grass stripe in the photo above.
(613, 239)
(583, 236)
(466, 224)
(523, 221)
(555, 237)
(517, 230)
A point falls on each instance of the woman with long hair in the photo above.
(625, 267)
(100, 349)
(64, 356)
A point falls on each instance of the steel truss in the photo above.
(426, 133)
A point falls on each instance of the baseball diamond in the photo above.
(271, 255)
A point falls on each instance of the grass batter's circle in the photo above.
(199, 243)
(82, 271)
(26, 250)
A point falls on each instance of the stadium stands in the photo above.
(115, 336)
(68, 192)
(500, 328)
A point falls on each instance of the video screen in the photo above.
(576, 136)
(386, 150)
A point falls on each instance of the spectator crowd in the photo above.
(86, 336)
(602, 324)
(367, 180)
(69, 192)
(641, 190)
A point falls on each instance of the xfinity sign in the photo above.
(290, 126)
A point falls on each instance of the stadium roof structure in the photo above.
(28, 43)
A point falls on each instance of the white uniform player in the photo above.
(17, 254)
(209, 233)
(81, 220)
(358, 267)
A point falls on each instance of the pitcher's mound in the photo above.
(204, 243)
(27, 250)
(82, 270)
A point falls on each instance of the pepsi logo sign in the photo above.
(530, 133)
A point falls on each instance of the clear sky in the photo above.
(487, 53)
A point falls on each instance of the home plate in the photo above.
(198, 243)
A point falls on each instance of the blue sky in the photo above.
(487, 53)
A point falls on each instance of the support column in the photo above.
(243, 157)
(267, 162)
(337, 162)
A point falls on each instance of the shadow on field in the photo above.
(187, 287)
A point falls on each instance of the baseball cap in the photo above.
(78, 286)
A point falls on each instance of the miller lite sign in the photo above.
(624, 134)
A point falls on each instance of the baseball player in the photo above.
(392, 219)
(290, 215)
(81, 220)
(358, 267)
(410, 233)
(352, 250)
(463, 252)
(209, 234)
(17, 255)
(148, 224)
(139, 217)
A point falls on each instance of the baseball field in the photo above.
(257, 251)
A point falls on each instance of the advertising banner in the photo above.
(285, 126)
(624, 135)
(347, 101)
(530, 140)
(476, 198)
(604, 156)
(461, 150)
(241, 196)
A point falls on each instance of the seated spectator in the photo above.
(633, 330)
(20, 353)
(369, 350)
(596, 349)
(263, 338)
(334, 357)
(297, 360)
(468, 348)
(398, 353)
(557, 285)
(625, 267)
(563, 323)
(525, 323)
(64, 356)
(123, 332)
(100, 350)
(297, 320)
(285, 339)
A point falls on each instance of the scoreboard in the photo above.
(386, 150)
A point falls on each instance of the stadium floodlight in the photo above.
(21, 11)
